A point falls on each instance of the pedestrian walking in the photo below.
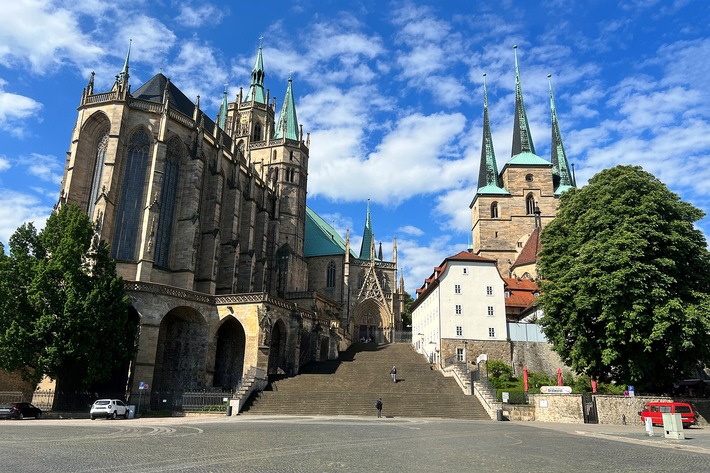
(378, 405)
(394, 374)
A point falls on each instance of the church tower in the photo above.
(511, 206)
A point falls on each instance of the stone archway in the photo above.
(230, 341)
(277, 349)
(369, 322)
(180, 353)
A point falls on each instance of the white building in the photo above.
(459, 310)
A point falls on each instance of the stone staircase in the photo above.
(352, 384)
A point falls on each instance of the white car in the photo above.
(109, 408)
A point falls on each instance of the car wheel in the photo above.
(113, 415)
(38, 416)
(21, 416)
(125, 416)
(93, 417)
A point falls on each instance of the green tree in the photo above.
(63, 312)
(406, 312)
(626, 280)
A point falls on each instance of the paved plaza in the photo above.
(340, 444)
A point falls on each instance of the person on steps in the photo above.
(394, 374)
(378, 405)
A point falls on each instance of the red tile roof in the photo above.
(530, 250)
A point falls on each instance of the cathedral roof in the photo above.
(489, 181)
(154, 90)
(530, 251)
(287, 124)
(366, 247)
(522, 139)
(562, 177)
(321, 238)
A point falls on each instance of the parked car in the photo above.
(19, 410)
(655, 410)
(109, 408)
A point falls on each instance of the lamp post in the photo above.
(465, 355)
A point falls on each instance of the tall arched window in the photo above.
(257, 131)
(131, 200)
(168, 197)
(530, 204)
(96, 180)
(494, 210)
(330, 275)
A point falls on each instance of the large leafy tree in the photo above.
(63, 312)
(626, 278)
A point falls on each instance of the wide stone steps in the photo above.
(352, 384)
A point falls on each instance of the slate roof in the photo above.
(321, 238)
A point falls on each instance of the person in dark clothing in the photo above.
(394, 374)
(378, 405)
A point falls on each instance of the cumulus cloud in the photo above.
(197, 16)
(46, 167)
(19, 208)
(15, 109)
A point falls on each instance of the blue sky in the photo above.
(391, 93)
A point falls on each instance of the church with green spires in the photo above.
(511, 207)
(231, 275)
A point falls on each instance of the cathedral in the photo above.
(512, 206)
(229, 271)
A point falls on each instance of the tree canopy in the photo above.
(626, 281)
(63, 312)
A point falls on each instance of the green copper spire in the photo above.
(222, 118)
(123, 77)
(489, 181)
(366, 246)
(256, 89)
(522, 140)
(561, 175)
(287, 124)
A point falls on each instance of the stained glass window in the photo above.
(98, 171)
(168, 197)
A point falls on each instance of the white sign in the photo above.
(555, 389)
(543, 403)
(506, 397)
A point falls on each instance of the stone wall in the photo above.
(12, 381)
(564, 408)
(537, 356)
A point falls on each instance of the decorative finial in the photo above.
(261, 39)
(485, 93)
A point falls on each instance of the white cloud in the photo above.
(46, 167)
(19, 208)
(14, 109)
(411, 230)
(188, 71)
(417, 262)
(197, 16)
(4, 164)
(38, 34)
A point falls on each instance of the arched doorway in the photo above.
(368, 329)
(180, 355)
(229, 357)
(277, 349)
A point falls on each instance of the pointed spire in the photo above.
(489, 180)
(379, 252)
(366, 248)
(561, 175)
(256, 89)
(522, 140)
(222, 117)
(287, 124)
(123, 77)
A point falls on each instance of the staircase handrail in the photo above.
(256, 379)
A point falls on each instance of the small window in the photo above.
(459, 355)
(290, 156)
(507, 294)
(520, 244)
(491, 332)
(459, 331)
(489, 290)
(494, 210)
(490, 311)
(496, 234)
(530, 204)
(529, 177)
(330, 275)
(457, 288)
(458, 309)
(465, 270)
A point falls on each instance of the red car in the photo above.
(655, 410)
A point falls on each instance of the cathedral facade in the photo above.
(512, 206)
(208, 223)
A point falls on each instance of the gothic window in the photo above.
(290, 156)
(530, 204)
(275, 155)
(168, 198)
(257, 131)
(494, 210)
(330, 276)
(101, 148)
(240, 149)
(131, 199)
